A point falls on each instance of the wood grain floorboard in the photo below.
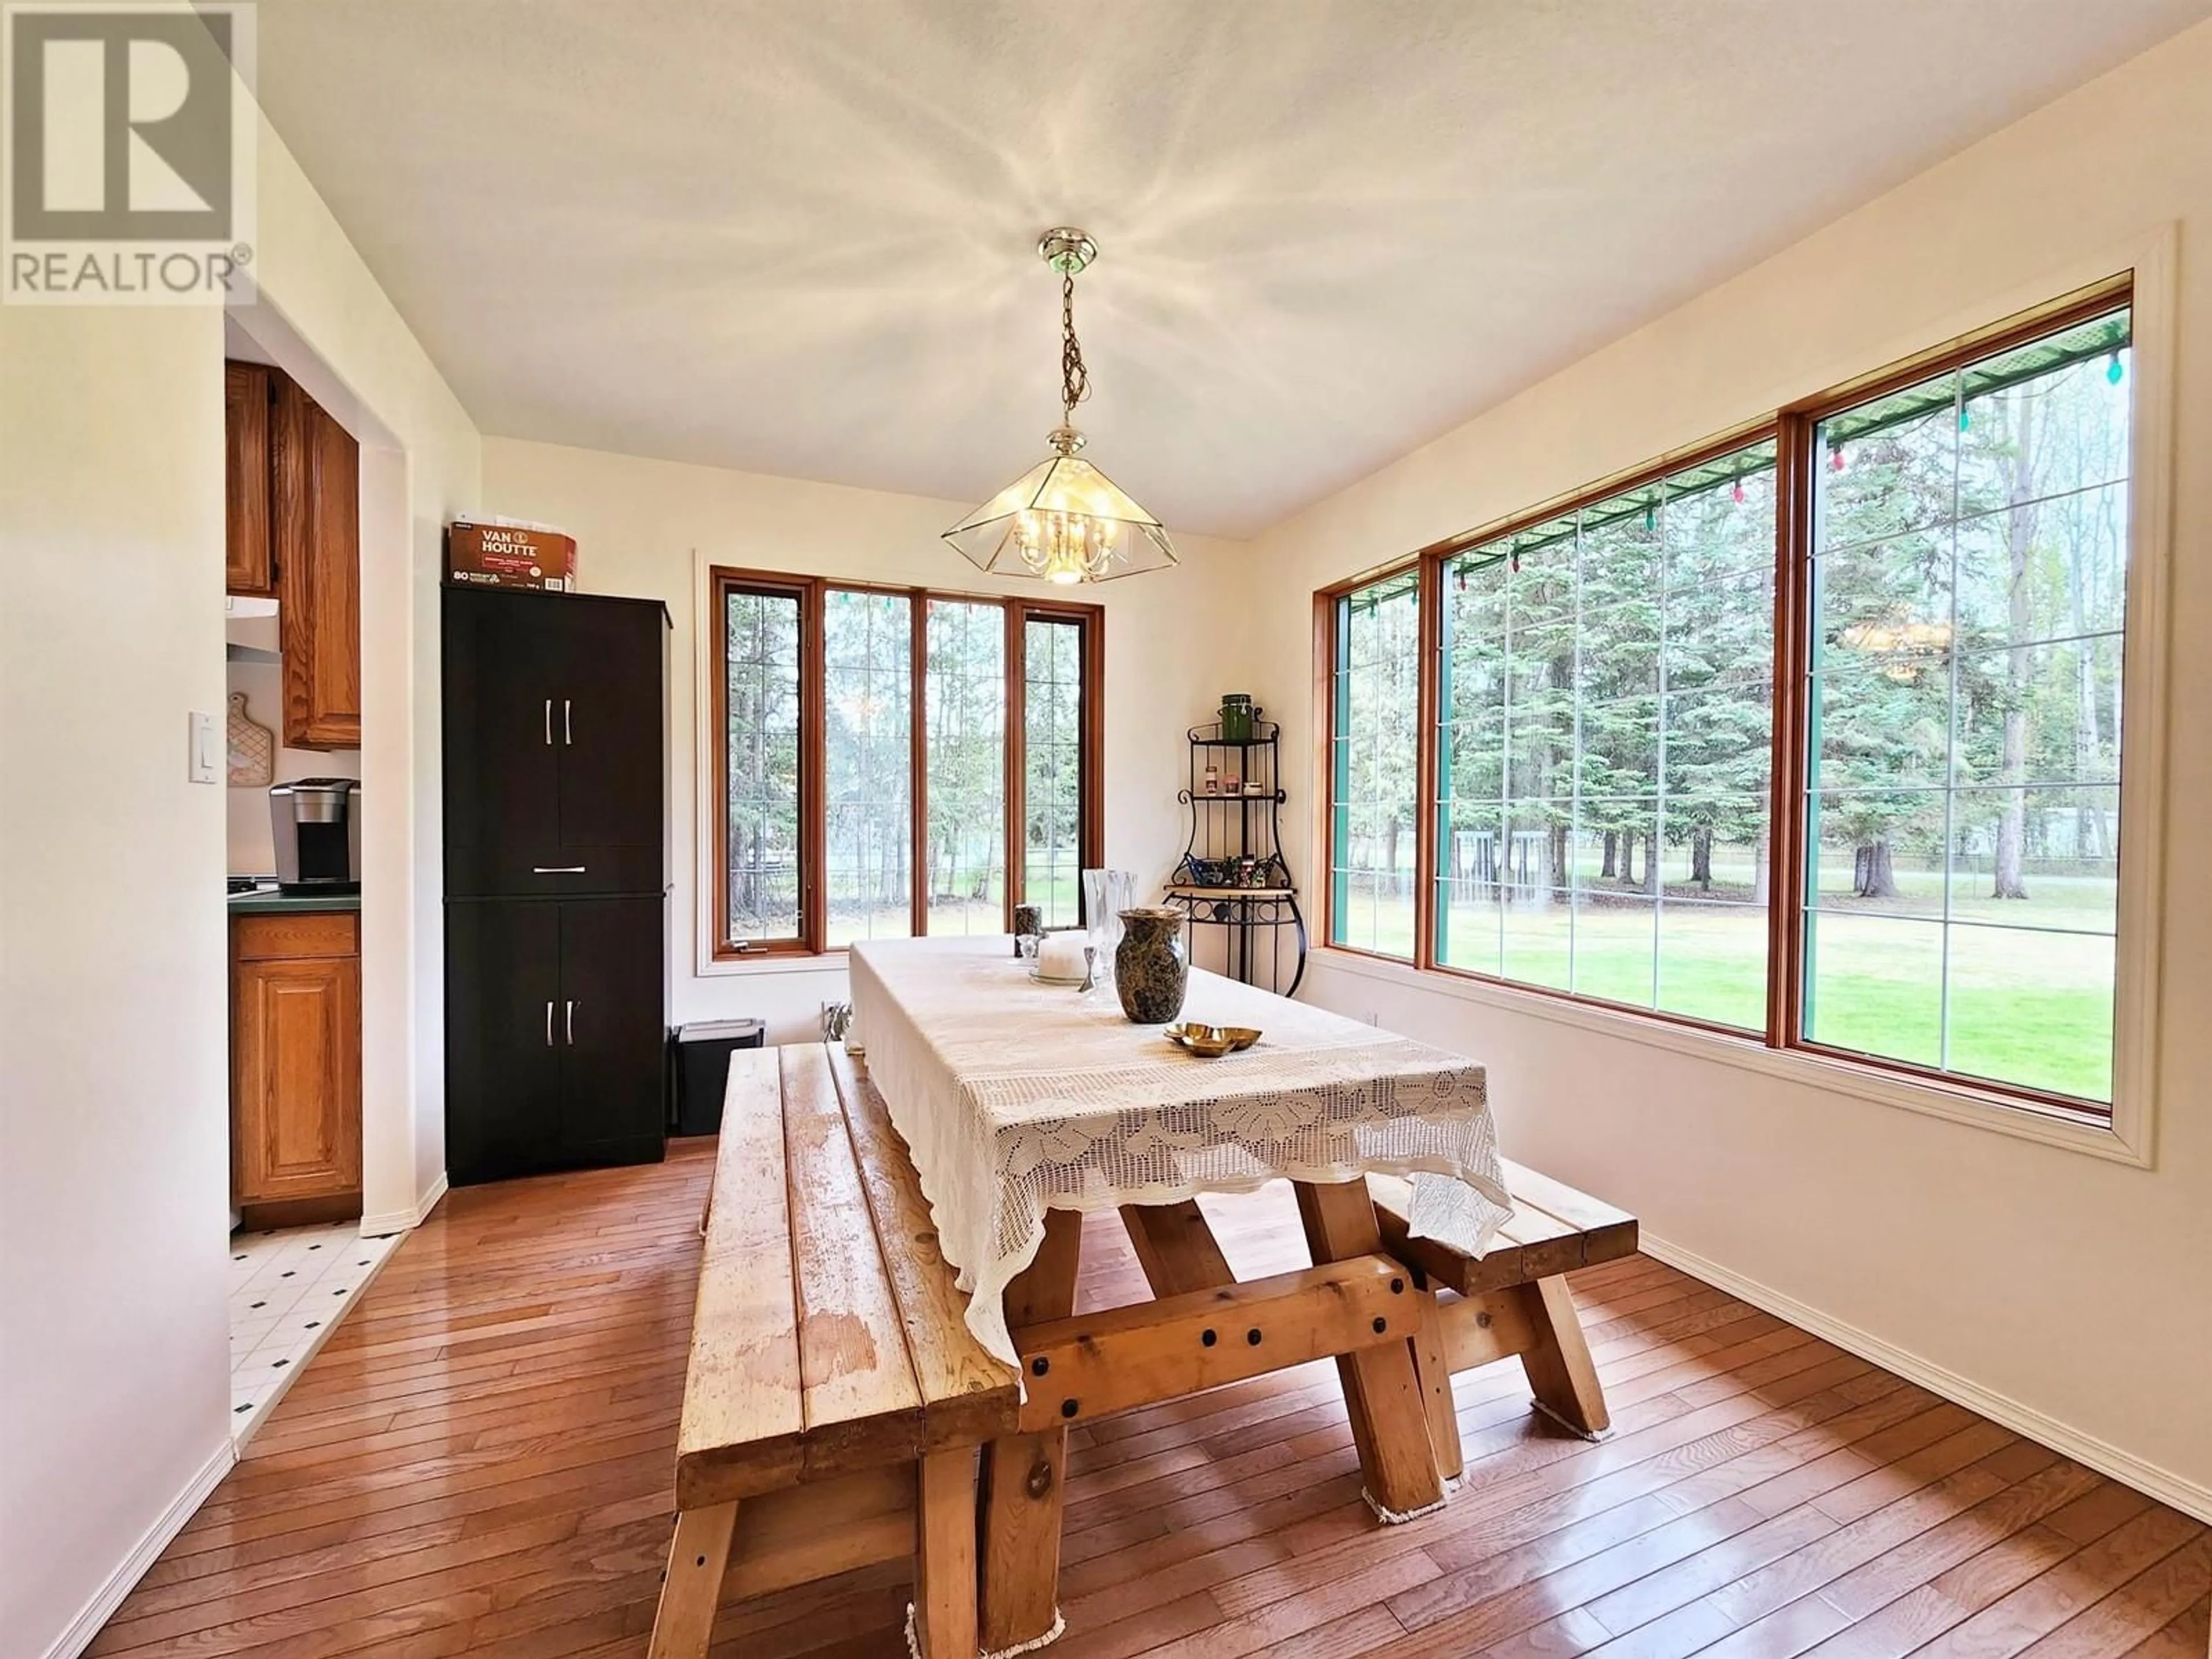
(479, 1463)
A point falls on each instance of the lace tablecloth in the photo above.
(1017, 1098)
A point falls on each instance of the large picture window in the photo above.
(1874, 813)
(1603, 752)
(895, 762)
(1967, 576)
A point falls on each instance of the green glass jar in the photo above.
(1236, 717)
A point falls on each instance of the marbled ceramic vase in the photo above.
(1150, 969)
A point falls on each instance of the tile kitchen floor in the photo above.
(288, 1289)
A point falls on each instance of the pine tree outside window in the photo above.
(1374, 751)
(1812, 737)
(1603, 752)
(1968, 574)
(881, 772)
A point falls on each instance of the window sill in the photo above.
(747, 967)
(2024, 1121)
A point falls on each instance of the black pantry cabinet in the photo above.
(555, 836)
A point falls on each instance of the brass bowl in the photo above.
(1210, 1041)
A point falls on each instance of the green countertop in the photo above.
(263, 904)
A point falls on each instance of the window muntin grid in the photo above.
(1965, 668)
(1374, 759)
(1604, 747)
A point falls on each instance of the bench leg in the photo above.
(697, 1557)
(1561, 1374)
(1381, 1395)
(1433, 1367)
(1024, 1475)
(944, 1559)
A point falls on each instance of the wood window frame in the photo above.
(722, 582)
(1792, 430)
(1431, 562)
(1795, 460)
(1090, 622)
(811, 593)
(1328, 644)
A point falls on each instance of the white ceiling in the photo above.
(798, 237)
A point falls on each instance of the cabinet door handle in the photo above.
(548, 1025)
(567, 737)
(549, 722)
(568, 1020)
(556, 869)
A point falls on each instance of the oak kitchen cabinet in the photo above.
(292, 478)
(296, 1064)
(249, 562)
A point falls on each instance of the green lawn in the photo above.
(2026, 1007)
(1057, 890)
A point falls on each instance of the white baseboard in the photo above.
(405, 1221)
(2187, 1496)
(120, 1583)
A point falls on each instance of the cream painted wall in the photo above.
(324, 319)
(114, 1144)
(2075, 1290)
(647, 528)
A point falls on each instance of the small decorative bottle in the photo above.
(1212, 779)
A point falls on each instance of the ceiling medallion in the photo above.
(1064, 520)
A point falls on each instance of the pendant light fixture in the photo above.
(1064, 520)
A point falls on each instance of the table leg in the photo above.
(1024, 1478)
(1176, 1248)
(1381, 1395)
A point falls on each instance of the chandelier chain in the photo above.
(1074, 378)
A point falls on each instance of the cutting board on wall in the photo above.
(252, 748)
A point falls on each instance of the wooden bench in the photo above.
(1512, 1300)
(835, 1400)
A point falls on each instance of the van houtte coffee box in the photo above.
(506, 553)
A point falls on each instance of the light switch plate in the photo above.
(206, 756)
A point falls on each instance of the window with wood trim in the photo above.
(1374, 765)
(1813, 733)
(1054, 672)
(895, 762)
(1606, 705)
(1966, 572)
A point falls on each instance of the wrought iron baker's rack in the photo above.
(1233, 875)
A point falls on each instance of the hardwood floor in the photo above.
(479, 1462)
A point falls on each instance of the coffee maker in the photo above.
(317, 823)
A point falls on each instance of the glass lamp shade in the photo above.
(1065, 522)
